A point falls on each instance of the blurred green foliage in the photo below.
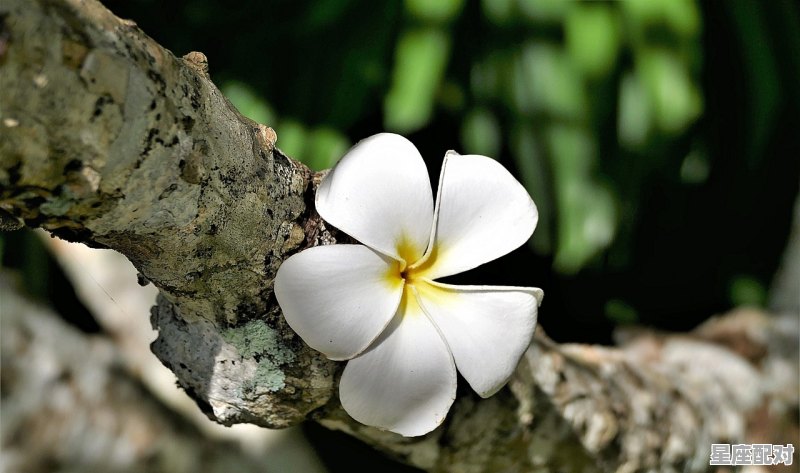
(657, 137)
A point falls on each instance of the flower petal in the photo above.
(482, 213)
(338, 298)
(380, 194)
(406, 381)
(487, 328)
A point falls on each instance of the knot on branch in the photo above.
(198, 62)
(266, 137)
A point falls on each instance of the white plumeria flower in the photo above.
(379, 305)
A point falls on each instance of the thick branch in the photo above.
(657, 403)
(69, 404)
(108, 139)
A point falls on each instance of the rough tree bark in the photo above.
(70, 405)
(108, 139)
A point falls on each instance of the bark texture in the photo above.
(70, 405)
(108, 139)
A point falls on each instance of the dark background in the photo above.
(698, 207)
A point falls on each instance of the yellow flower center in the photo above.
(405, 271)
(409, 273)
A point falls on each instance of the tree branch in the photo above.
(108, 139)
(69, 400)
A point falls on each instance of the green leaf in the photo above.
(498, 12)
(546, 80)
(481, 134)
(419, 66)
(438, 11)
(747, 290)
(324, 148)
(621, 312)
(292, 139)
(534, 175)
(681, 16)
(635, 118)
(676, 100)
(695, 167)
(592, 38)
(248, 102)
(586, 207)
(543, 10)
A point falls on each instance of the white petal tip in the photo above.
(418, 431)
(492, 392)
(405, 382)
(378, 192)
(538, 294)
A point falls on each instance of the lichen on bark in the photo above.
(110, 140)
(256, 340)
